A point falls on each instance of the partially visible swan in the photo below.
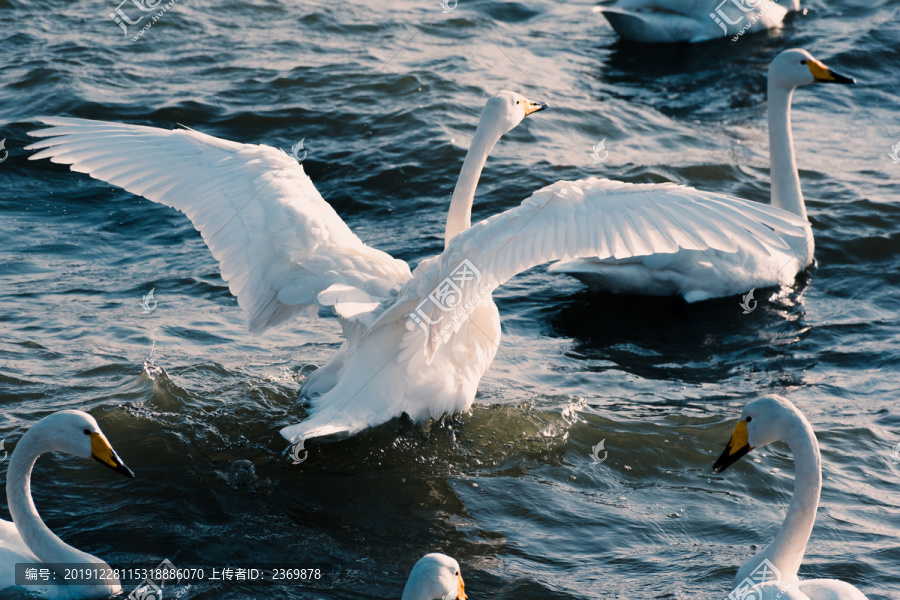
(763, 421)
(654, 21)
(744, 263)
(416, 343)
(27, 539)
(435, 577)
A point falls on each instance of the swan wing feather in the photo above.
(278, 242)
(586, 218)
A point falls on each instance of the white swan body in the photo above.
(435, 577)
(26, 539)
(285, 251)
(773, 571)
(713, 274)
(666, 21)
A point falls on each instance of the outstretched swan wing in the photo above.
(571, 219)
(282, 248)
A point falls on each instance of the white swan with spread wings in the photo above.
(416, 343)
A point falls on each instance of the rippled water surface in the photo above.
(387, 95)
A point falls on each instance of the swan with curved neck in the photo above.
(708, 274)
(435, 577)
(790, 70)
(764, 421)
(27, 539)
(499, 116)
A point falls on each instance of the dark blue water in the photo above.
(387, 96)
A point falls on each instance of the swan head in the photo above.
(77, 433)
(796, 67)
(763, 421)
(506, 109)
(435, 577)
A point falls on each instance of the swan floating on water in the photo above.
(415, 342)
(746, 261)
(435, 577)
(658, 21)
(772, 419)
(27, 539)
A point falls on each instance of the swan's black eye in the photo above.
(749, 419)
(87, 432)
(517, 101)
(802, 62)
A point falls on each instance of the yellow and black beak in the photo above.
(823, 74)
(460, 584)
(102, 452)
(736, 448)
(533, 107)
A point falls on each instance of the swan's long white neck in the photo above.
(417, 587)
(459, 217)
(786, 192)
(787, 549)
(37, 536)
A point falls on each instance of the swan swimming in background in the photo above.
(763, 421)
(744, 262)
(656, 21)
(435, 577)
(415, 342)
(27, 539)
